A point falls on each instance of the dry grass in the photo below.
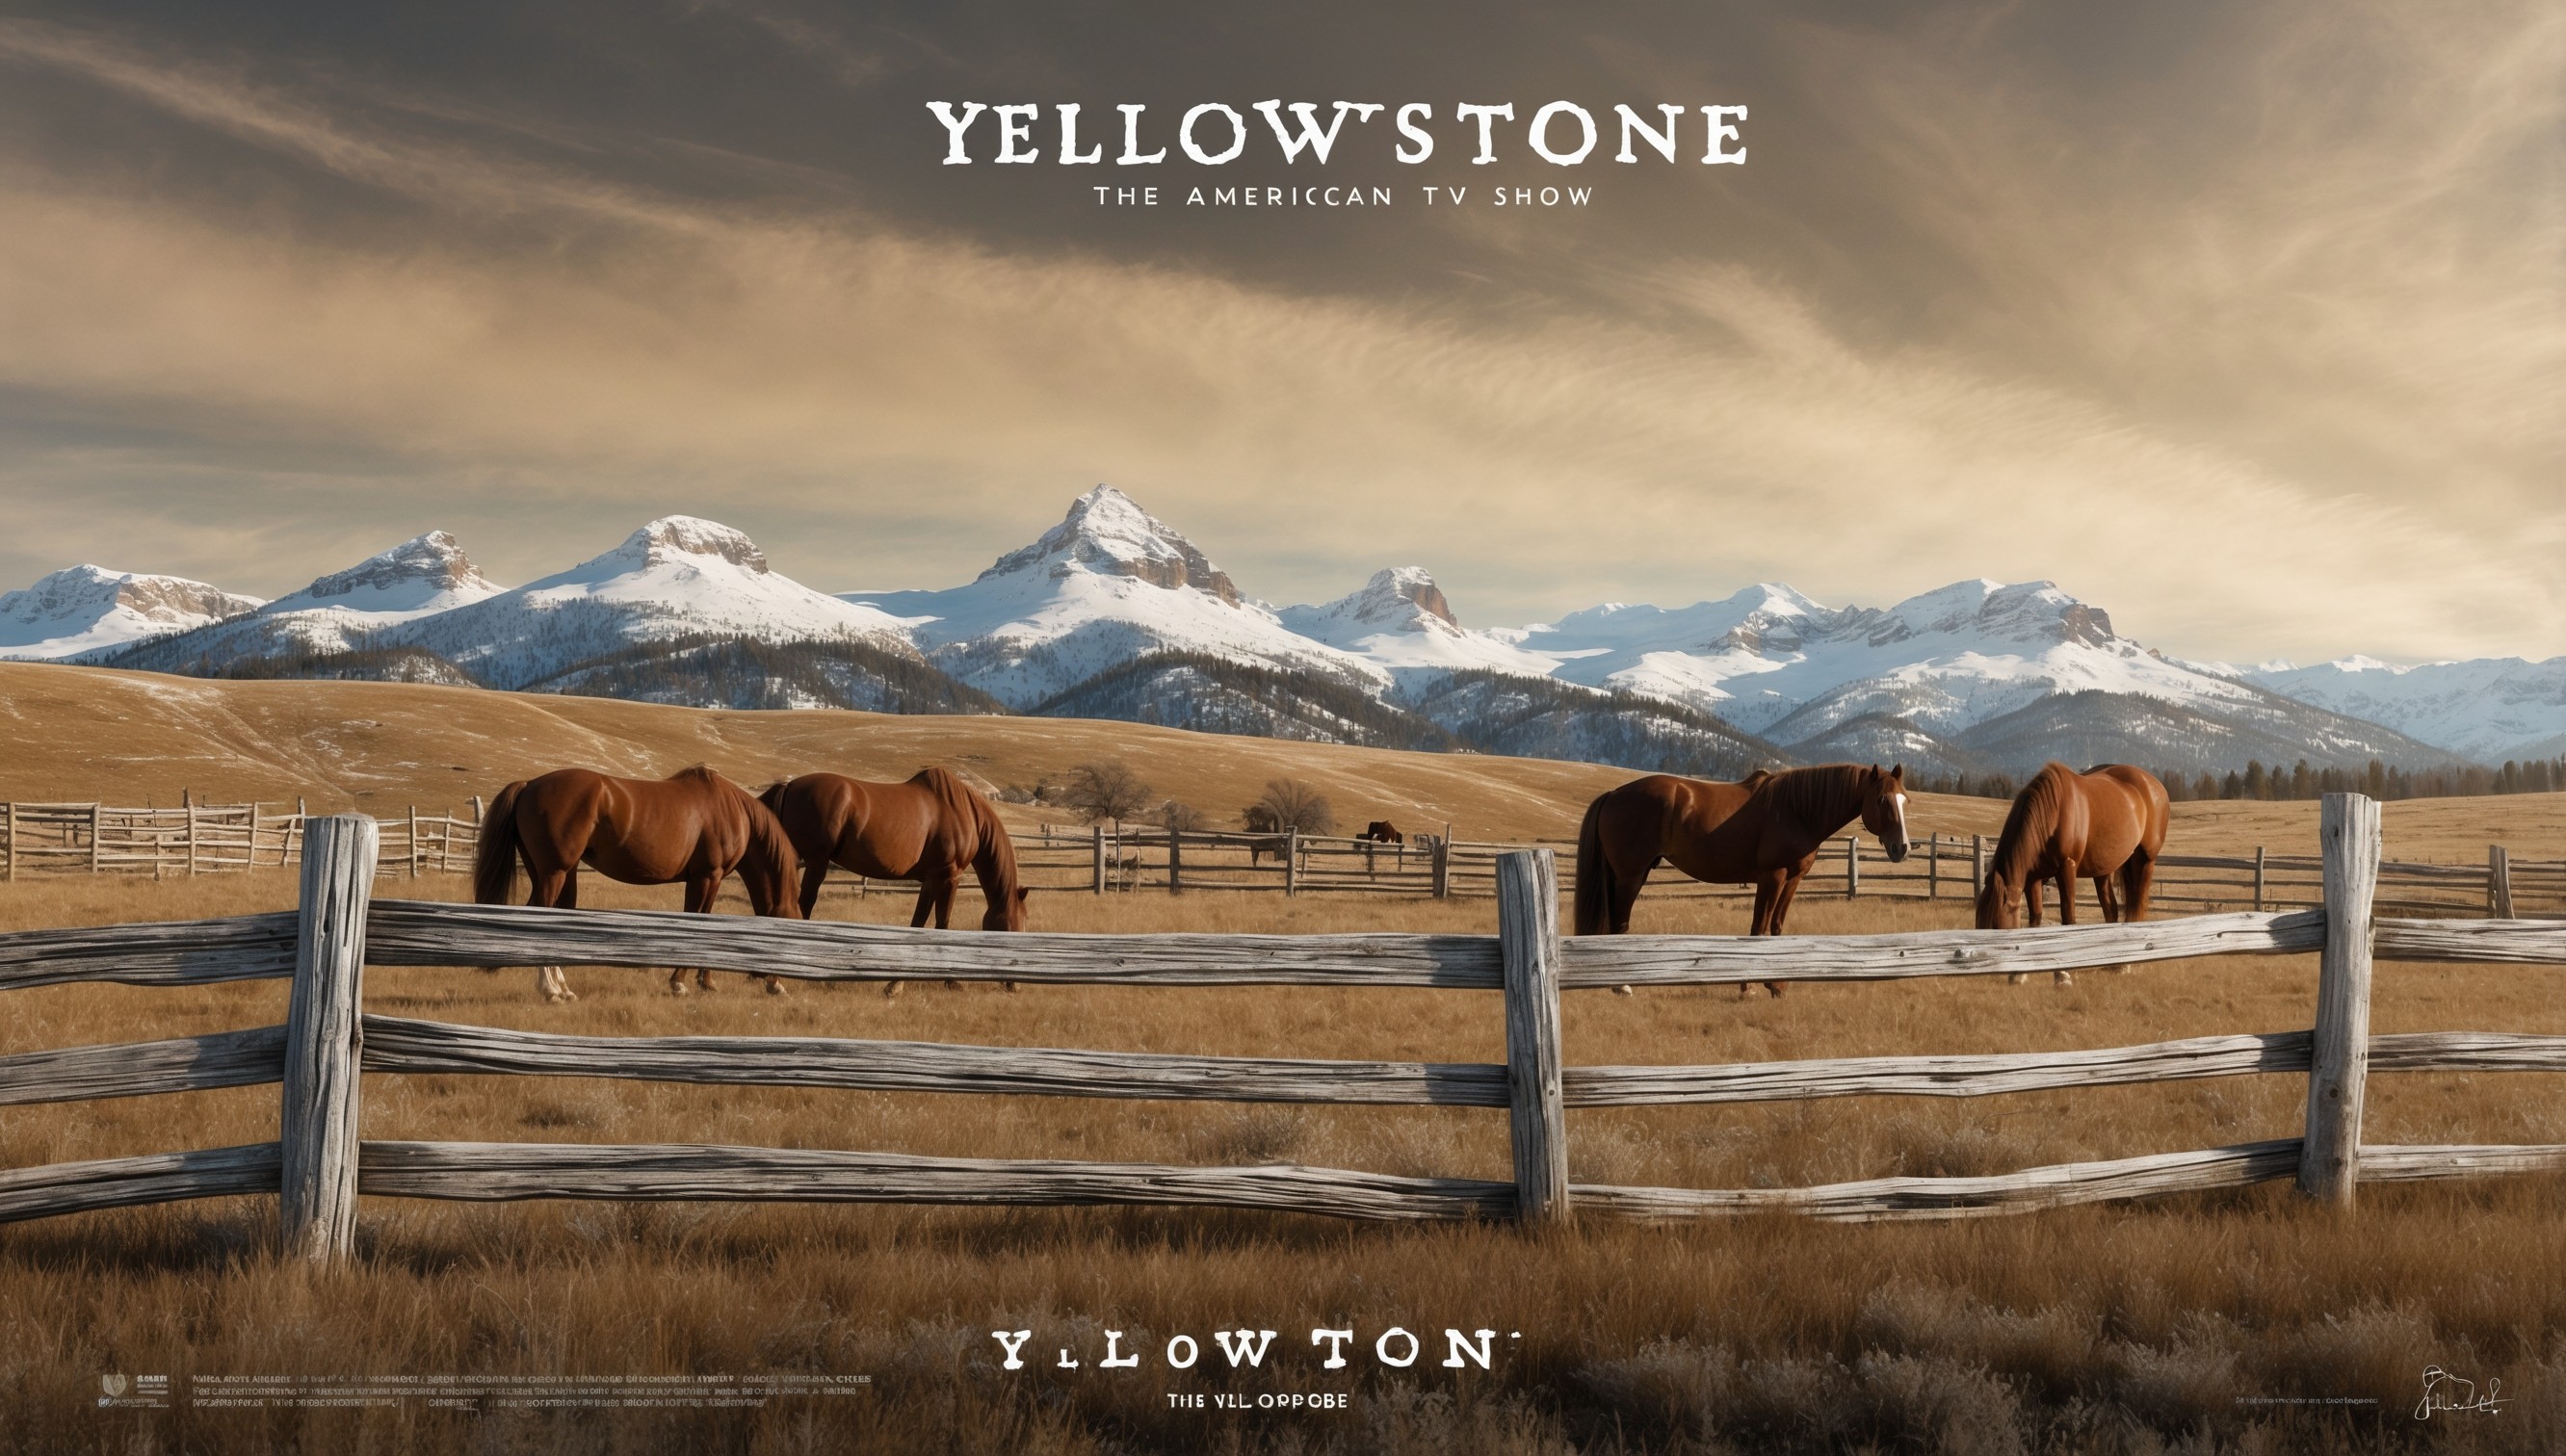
(2135, 1329)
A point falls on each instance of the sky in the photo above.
(2246, 321)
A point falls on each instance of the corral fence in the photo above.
(1936, 866)
(320, 1163)
(212, 838)
(208, 839)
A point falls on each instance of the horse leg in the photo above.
(1782, 912)
(559, 891)
(944, 911)
(1760, 920)
(2066, 912)
(2031, 917)
(700, 892)
(1625, 897)
(917, 918)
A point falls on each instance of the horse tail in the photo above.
(1594, 903)
(494, 861)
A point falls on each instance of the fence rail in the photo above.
(320, 1056)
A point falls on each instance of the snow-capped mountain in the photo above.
(1108, 585)
(1399, 622)
(1114, 614)
(676, 578)
(2488, 708)
(87, 608)
(337, 614)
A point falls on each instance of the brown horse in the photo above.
(694, 827)
(2107, 825)
(929, 829)
(1383, 832)
(1765, 831)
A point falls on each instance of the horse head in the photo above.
(1010, 915)
(1884, 808)
(1999, 905)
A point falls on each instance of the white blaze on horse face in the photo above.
(1897, 815)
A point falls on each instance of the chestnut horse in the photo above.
(929, 829)
(2107, 825)
(694, 827)
(1765, 831)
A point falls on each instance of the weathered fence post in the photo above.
(1977, 865)
(1852, 866)
(1933, 867)
(192, 837)
(13, 839)
(1176, 862)
(318, 1130)
(413, 842)
(2330, 1158)
(1099, 831)
(2499, 882)
(1442, 865)
(2258, 877)
(1291, 861)
(1528, 938)
(294, 831)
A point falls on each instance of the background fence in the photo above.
(318, 1165)
(205, 838)
(1936, 866)
(209, 839)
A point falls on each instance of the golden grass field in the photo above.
(2138, 1327)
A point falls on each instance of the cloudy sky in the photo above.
(2246, 322)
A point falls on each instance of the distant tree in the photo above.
(1290, 804)
(1104, 790)
(1175, 816)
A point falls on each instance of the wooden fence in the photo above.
(205, 838)
(1936, 866)
(320, 1165)
(210, 839)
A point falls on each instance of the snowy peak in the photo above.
(1396, 600)
(85, 608)
(2026, 614)
(423, 574)
(1107, 534)
(676, 539)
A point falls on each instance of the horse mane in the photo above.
(2029, 823)
(1814, 794)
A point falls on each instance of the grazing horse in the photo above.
(1383, 832)
(2107, 825)
(931, 830)
(1765, 831)
(694, 827)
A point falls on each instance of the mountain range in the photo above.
(1114, 613)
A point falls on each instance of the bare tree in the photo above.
(1179, 816)
(1290, 804)
(1104, 790)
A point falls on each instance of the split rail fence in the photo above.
(320, 1165)
(206, 839)
(1936, 866)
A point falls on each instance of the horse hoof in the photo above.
(2066, 979)
(774, 987)
(2016, 979)
(890, 989)
(1773, 991)
(1008, 986)
(677, 987)
(1624, 991)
